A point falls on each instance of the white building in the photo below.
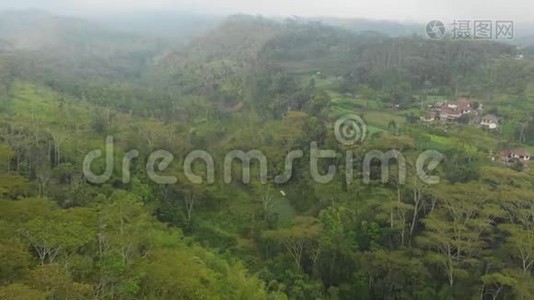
(489, 121)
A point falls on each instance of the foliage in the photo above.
(272, 86)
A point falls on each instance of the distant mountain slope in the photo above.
(48, 47)
(390, 28)
(5, 46)
(38, 30)
(239, 37)
(176, 26)
(250, 40)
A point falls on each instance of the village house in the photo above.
(462, 106)
(393, 106)
(489, 121)
(520, 154)
(429, 117)
(447, 112)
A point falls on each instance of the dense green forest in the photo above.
(252, 83)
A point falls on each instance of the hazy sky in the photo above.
(402, 10)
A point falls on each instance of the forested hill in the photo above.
(180, 27)
(53, 48)
(33, 30)
(221, 61)
(68, 85)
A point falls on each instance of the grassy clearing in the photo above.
(382, 119)
(440, 140)
(359, 103)
(372, 129)
(43, 106)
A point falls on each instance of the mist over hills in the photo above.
(38, 25)
(172, 84)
